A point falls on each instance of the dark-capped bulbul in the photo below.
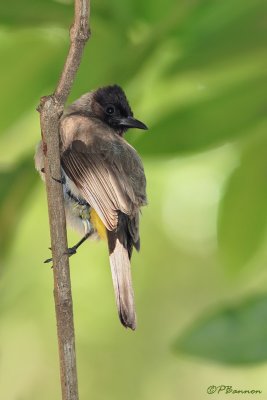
(104, 183)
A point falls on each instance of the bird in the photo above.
(104, 183)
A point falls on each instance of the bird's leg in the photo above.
(73, 250)
(88, 232)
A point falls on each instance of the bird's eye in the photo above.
(110, 109)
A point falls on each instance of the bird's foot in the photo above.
(70, 252)
(48, 260)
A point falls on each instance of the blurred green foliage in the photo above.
(16, 185)
(195, 72)
(233, 335)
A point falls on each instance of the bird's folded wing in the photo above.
(103, 182)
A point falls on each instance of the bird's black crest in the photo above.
(114, 95)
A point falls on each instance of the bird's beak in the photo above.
(131, 122)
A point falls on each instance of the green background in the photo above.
(195, 73)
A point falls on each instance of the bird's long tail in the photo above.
(122, 280)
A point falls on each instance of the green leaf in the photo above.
(216, 31)
(200, 125)
(209, 39)
(231, 335)
(16, 187)
(242, 218)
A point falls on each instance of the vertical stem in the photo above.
(51, 108)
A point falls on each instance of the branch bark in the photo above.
(51, 108)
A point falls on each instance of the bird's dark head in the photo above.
(111, 106)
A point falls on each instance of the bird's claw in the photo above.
(70, 252)
(62, 180)
(48, 260)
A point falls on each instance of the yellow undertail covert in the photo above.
(98, 224)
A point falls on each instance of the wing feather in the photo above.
(91, 189)
(108, 173)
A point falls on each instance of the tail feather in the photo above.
(122, 281)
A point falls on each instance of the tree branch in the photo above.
(51, 108)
